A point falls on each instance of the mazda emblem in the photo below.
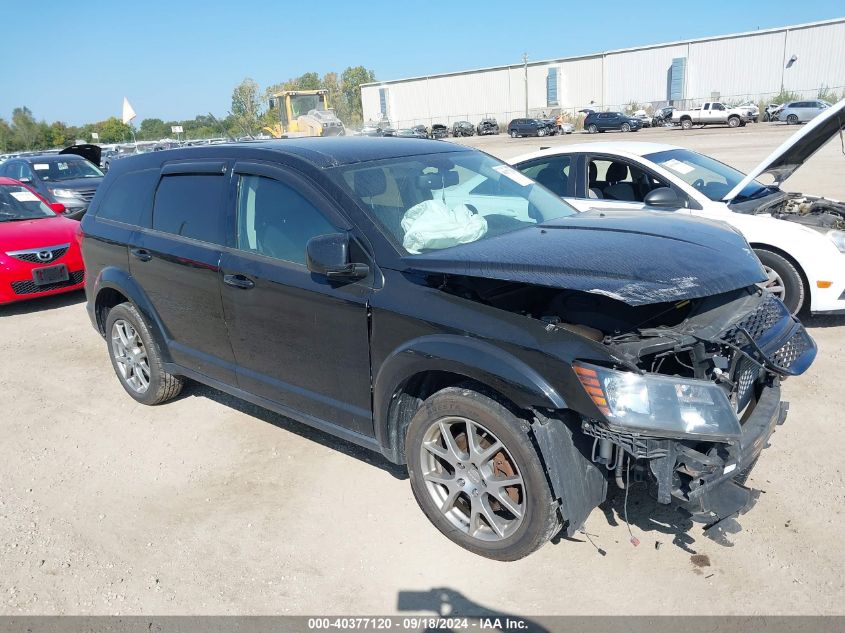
(44, 256)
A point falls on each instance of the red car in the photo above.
(39, 250)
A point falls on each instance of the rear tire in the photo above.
(514, 134)
(456, 487)
(784, 280)
(593, 128)
(136, 357)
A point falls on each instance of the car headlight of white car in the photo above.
(838, 238)
(64, 193)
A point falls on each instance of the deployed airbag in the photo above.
(433, 225)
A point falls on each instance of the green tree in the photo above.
(246, 106)
(154, 129)
(59, 134)
(24, 128)
(337, 99)
(5, 136)
(350, 85)
(113, 130)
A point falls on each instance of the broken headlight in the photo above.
(667, 406)
(838, 238)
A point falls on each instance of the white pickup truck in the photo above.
(711, 113)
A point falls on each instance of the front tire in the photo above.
(686, 124)
(593, 128)
(792, 119)
(733, 121)
(541, 132)
(783, 280)
(477, 476)
(136, 357)
(626, 127)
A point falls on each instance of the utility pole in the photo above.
(525, 67)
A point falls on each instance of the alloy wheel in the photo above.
(130, 355)
(774, 283)
(472, 479)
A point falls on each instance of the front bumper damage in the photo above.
(705, 476)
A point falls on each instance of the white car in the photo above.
(799, 239)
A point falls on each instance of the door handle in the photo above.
(238, 281)
(141, 253)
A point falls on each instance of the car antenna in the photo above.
(220, 125)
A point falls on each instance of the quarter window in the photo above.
(275, 220)
(190, 205)
(130, 197)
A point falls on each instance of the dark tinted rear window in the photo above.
(130, 197)
(191, 206)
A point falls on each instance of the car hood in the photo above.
(797, 149)
(39, 232)
(637, 257)
(90, 152)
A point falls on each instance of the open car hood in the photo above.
(797, 149)
(638, 257)
(91, 153)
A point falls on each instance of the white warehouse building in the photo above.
(806, 59)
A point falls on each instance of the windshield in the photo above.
(712, 178)
(435, 201)
(301, 104)
(70, 169)
(19, 203)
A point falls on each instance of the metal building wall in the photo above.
(745, 66)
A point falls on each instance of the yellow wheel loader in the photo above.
(304, 113)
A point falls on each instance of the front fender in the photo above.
(473, 358)
(121, 281)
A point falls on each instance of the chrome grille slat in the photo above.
(31, 254)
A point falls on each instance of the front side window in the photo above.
(19, 203)
(435, 201)
(614, 179)
(276, 220)
(190, 205)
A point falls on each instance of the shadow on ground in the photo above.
(42, 304)
(303, 430)
(823, 321)
(448, 603)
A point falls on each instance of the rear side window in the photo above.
(190, 205)
(130, 197)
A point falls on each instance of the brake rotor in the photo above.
(502, 467)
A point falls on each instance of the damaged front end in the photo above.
(698, 413)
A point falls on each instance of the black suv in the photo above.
(528, 127)
(429, 302)
(604, 121)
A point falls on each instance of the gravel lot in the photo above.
(210, 505)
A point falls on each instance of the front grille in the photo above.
(30, 287)
(767, 314)
(86, 194)
(31, 255)
(746, 376)
(792, 349)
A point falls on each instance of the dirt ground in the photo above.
(208, 505)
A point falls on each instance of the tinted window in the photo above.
(275, 220)
(190, 205)
(552, 173)
(717, 106)
(130, 197)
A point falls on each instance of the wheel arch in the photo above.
(114, 286)
(425, 365)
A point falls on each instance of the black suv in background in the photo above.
(516, 362)
(528, 127)
(604, 121)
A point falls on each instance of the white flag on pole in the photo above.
(128, 112)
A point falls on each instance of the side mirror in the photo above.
(25, 180)
(329, 255)
(664, 198)
(57, 207)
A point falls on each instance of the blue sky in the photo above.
(75, 61)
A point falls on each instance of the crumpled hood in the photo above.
(638, 257)
(797, 149)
